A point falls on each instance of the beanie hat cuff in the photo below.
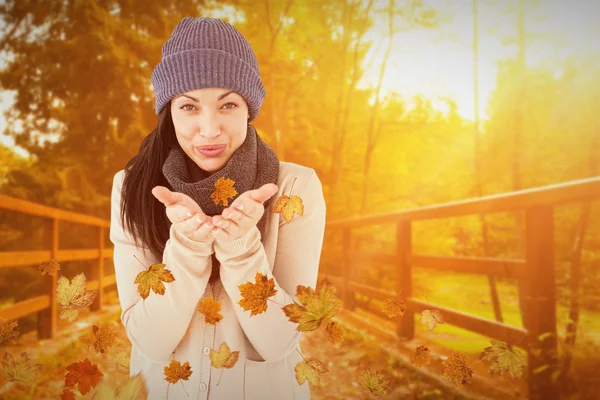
(206, 68)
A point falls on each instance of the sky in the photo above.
(439, 62)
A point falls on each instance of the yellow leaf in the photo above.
(394, 307)
(224, 357)
(374, 382)
(122, 361)
(18, 370)
(49, 267)
(73, 296)
(310, 369)
(175, 371)
(335, 332)
(8, 331)
(457, 370)
(104, 337)
(316, 308)
(288, 206)
(153, 279)
(504, 359)
(133, 389)
(431, 318)
(255, 295)
(210, 308)
(223, 191)
(421, 356)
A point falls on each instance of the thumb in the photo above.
(164, 195)
(264, 192)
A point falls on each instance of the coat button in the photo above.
(207, 350)
(203, 386)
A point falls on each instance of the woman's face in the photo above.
(210, 117)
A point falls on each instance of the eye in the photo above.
(233, 104)
(183, 107)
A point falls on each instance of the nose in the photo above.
(209, 126)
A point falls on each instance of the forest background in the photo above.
(395, 104)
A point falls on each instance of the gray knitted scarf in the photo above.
(252, 165)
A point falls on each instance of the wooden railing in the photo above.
(45, 305)
(536, 271)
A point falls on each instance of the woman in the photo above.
(211, 220)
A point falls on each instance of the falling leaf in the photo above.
(288, 205)
(421, 356)
(224, 358)
(175, 371)
(67, 394)
(18, 370)
(104, 337)
(374, 382)
(73, 296)
(8, 331)
(49, 267)
(310, 369)
(223, 191)
(133, 389)
(84, 374)
(316, 307)
(431, 318)
(394, 307)
(255, 295)
(504, 359)
(210, 308)
(122, 361)
(153, 279)
(335, 332)
(456, 369)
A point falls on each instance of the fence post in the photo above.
(47, 317)
(98, 272)
(405, 325)
(541, 301)
(348, 298)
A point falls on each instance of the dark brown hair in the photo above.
(142, 215)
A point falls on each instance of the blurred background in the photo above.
(397, 104)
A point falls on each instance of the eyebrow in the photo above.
(221, 97)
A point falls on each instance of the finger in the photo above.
(224, 223)
(263, 193)
(166, 196)
(191, 224)
(219, 234)
(178, 213)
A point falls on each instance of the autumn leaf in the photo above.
(67, 394)
(504, 359)
(104, 337)
(335, 332)
(18, 370)
(153, 278)
(73, 296)
(421, 356)
(49, 267)
(223, 358)
(175, 371)
(457, 370)
(255, 295)
(8, 331)
(122, 361)
(310, 369)
(374, 382)
(431, 318)
(316, 308)
(210, 308)
(133, 389)
(287, 206)
(223, 191)
(394, 307)
(84, 374)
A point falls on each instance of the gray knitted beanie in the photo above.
(207, 53)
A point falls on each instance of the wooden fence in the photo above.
(45, 305)
(536, 271)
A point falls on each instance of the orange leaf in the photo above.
(316, 308)
(223, 191)
(310, 369)
(153, 279)
(67, 394)
(8, 331)
(374, 382)
(105, 336)
(335, 332)
(288, 206)
(421, 356)
(210, 308)
(175, 371)
(49, 267)
(457, 370)
(83, 373)
(255, 295)
(394, 307)
(224, 357)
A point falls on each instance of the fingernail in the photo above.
(219, 223)
(240, 207)
(189, 214)
(198, 220)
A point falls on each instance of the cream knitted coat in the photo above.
(165, 327)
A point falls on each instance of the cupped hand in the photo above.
(185, 214)
(243, 214)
